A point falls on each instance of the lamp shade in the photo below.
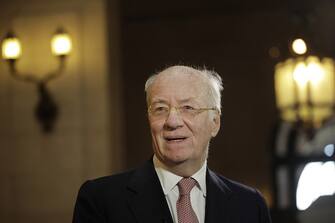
(11, 47)
(61, 44)
(305, 89)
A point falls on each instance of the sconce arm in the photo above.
(52, 75)
(29, 77)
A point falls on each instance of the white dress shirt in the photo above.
(169, 185)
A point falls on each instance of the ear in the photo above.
(216, 121)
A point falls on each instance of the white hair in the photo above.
(212, 78)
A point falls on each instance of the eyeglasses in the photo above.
(186, 111)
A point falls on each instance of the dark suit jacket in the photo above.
(137, 196)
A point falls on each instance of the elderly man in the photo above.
(184, 107)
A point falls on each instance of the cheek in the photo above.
(202, 123)
(155, 135)
(202, 132)
(156, 127)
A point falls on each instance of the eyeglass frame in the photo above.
(177, 108)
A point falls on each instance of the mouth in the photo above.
(172, 139)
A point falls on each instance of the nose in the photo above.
(173, 120)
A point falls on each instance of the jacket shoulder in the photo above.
(106, 184)
(241, 199)
(238, 190)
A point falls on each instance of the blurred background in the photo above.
(80, 114)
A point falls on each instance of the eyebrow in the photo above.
(159, 101)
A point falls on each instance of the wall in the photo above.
(40, 173)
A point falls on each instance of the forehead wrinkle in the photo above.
(180, 101)
(190, 99)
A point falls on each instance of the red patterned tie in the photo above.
(184, 208)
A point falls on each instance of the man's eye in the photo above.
(160, 109)
(188, 108)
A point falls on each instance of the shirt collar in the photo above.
(169, 180)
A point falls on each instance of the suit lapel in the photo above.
(146, 198)
(217, 199)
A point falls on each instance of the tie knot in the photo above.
(185, 185)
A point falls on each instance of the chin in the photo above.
(177, 158)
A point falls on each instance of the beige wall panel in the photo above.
(40, 173)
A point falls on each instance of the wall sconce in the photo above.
(305, 88)
(46, 110)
